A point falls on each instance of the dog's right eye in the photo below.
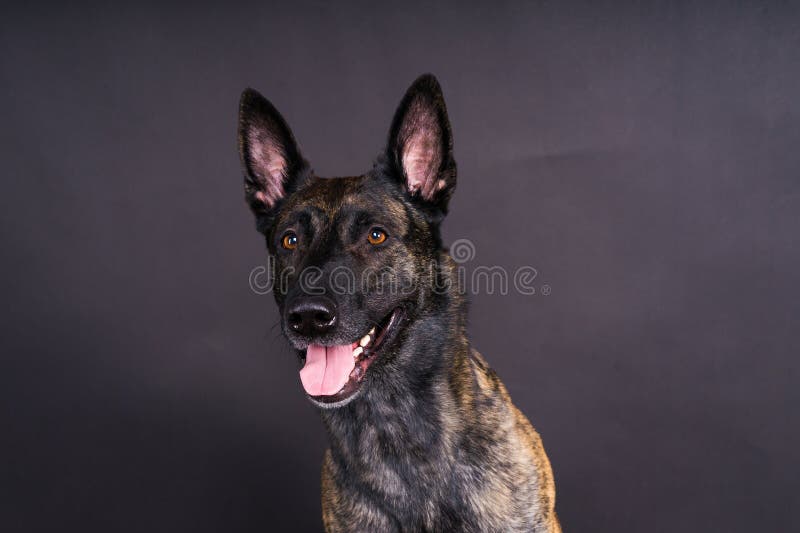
(289, 241)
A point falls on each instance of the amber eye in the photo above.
(289, 241)
(376, 236)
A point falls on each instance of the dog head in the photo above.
(355, 258)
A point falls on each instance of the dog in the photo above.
(423, 434)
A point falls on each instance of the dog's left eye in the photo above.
(376, 236)
(289, 241)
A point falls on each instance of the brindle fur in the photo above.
(432, 442)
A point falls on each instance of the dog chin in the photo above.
(335, 405)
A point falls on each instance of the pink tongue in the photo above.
(327, 369)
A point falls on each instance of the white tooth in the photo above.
(358, 351)
(365, 340)
(372, 331)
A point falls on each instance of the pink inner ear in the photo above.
(267, 158)
(422, 151)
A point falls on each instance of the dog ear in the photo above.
(420, 147)
(272, 162)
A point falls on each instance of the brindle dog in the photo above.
(423, 434)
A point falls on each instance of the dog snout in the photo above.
(311, 316)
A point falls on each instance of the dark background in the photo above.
(645, 159)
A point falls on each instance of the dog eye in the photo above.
(376, 236)
(289, 241)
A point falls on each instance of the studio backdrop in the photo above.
(639, 161)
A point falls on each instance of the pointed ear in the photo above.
(421, 144)
(272, 162)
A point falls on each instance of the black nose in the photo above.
(311, 315)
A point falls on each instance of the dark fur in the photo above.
(432, 441)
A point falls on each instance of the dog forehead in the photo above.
(378, 201)
(331, 196)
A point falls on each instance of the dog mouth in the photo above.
(332, 374)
